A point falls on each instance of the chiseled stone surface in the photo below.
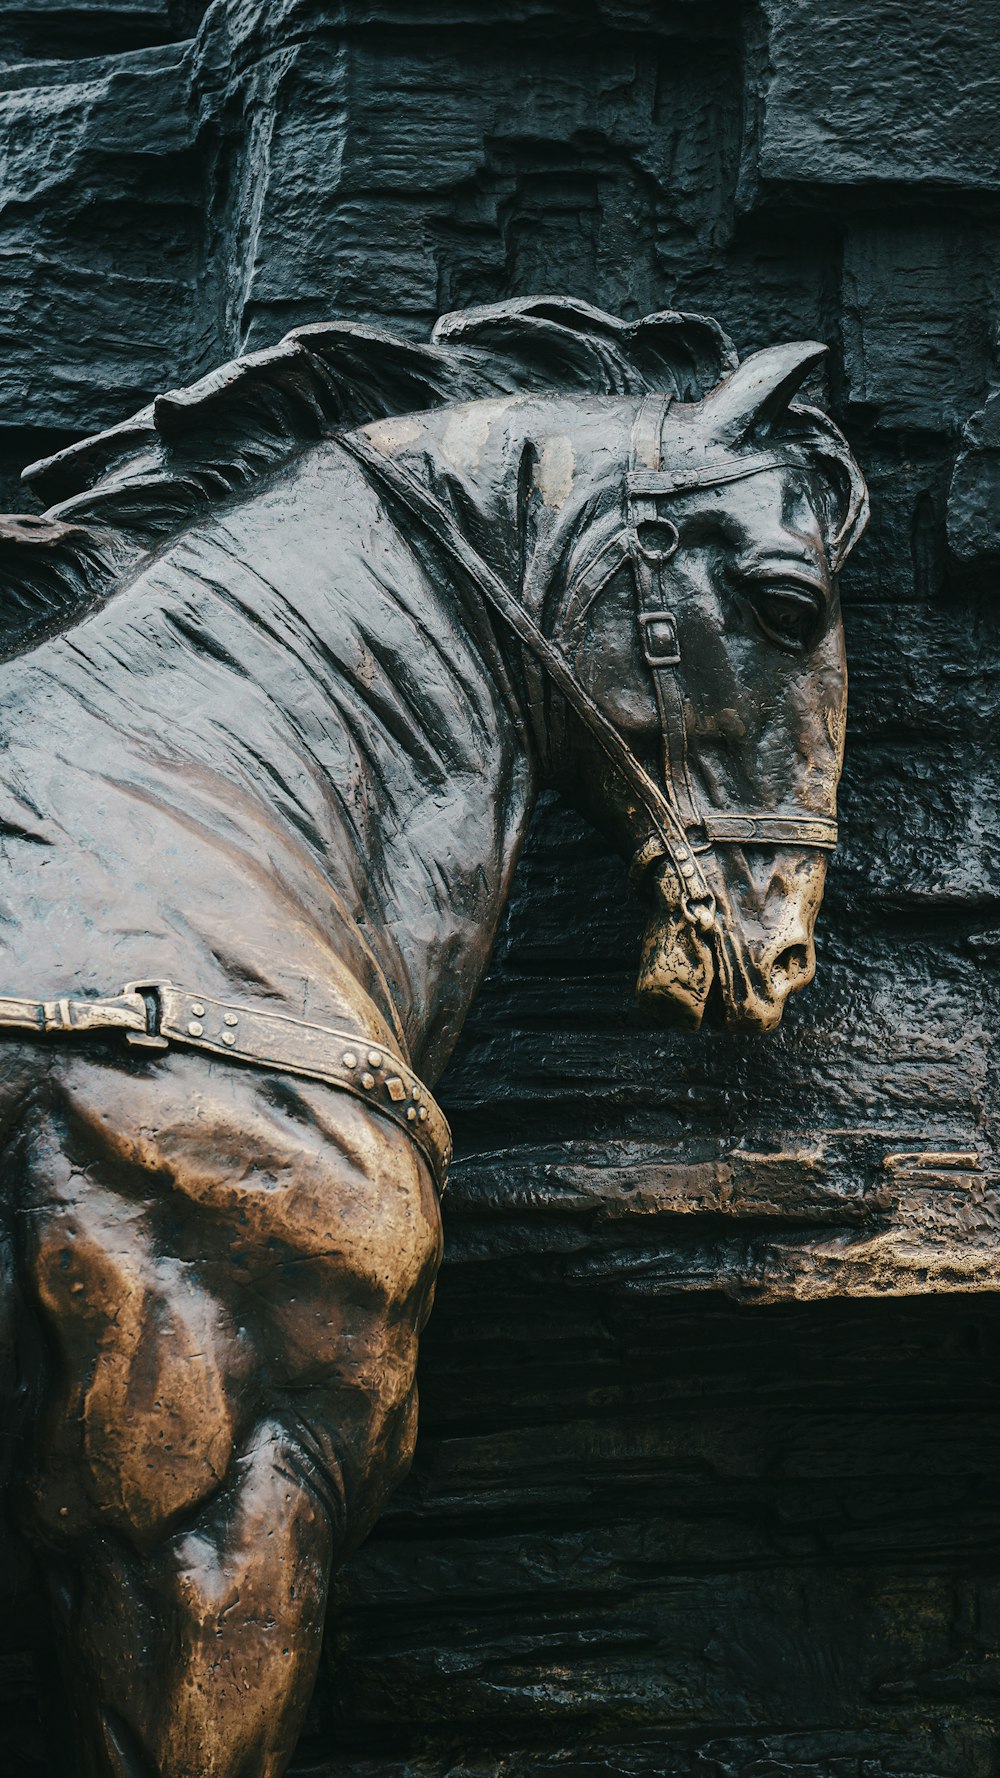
(916, 338)
(100, 227)
(706, 1485)
(974, 495)
(893, 94)
(648, 1537)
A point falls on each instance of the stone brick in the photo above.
(885, 93)
(453, 169)
(974, 496)
(52, 29)
(920, 316)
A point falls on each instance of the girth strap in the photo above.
(155, 1015)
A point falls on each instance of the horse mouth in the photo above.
(677, 972)
(687, 980)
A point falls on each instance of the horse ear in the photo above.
(759, 390)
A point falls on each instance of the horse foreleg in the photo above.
(197, 1659)
(233, 1280)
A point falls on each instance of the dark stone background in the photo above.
(655, 1526)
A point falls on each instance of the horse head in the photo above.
(707, 628)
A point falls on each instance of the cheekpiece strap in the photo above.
(657, 623)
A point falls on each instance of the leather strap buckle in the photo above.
(660, 644)
(146, 993)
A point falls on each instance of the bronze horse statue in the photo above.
(289, 657)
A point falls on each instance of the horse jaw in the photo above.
(677, 967)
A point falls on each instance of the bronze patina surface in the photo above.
(293, 653)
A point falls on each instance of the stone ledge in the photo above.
(854, 1217)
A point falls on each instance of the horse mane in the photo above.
(117, 496)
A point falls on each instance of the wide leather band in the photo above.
(768, 830)
(156, 1015)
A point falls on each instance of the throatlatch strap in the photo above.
(155, 1015)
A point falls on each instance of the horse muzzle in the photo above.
(759, 950)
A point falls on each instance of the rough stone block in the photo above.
(974, 495)
(453, 168)
(902, 558)
(116, 13)
(920, 311)
(724, 1506)
(49, 30)
(924, 672)
(887, 92)
(100, 222)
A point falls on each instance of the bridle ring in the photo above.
(658, 552)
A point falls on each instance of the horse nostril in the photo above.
(792, 967)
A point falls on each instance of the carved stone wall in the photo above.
(707, 1479)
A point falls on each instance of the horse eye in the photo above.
(789, 618)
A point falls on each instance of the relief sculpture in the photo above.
(290, 656)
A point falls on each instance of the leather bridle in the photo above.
(681, 830)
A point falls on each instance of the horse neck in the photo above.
(443, 767)
(503, 475)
